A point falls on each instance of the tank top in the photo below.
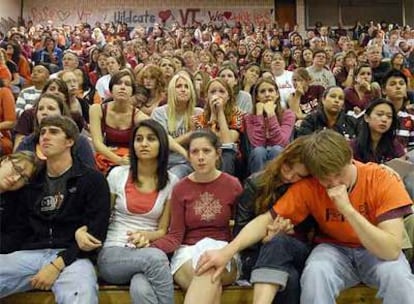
(115, 137)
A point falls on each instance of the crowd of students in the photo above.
(129, 148)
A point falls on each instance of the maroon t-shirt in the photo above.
(200, 210)
(311, 99)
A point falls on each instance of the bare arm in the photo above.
(383, 240)
(95, 117)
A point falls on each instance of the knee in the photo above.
(258, 152)
(157, 257)
(394, 272)
(317, 271)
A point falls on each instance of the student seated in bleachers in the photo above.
(394, 88)
(152, 79)
(16, 170)
(63, 196)
(201, 206)
(228, 73)
(376, 140)
(176, 116)
(269, 128)
(224, 118)
(140, 196)
(111, 123)
(360, 231)
(48, 105)
(26, 121)
(306, 97)
(261, 190)
(331, 115)
(7, 119)
(28, 96)
(362, 91)
(113, 65)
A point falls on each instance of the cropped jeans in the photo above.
(147, 271)
(280, 262)
(76, 284)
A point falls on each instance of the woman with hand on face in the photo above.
(250, 76)
(306, 97)
(201, 206)
(111, 123)
(224, 118)
(141, 194)
(243, 99)
(152, 78)
(15, 171)
(362, 91)
(270, 127)
(345, 75)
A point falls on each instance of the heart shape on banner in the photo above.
(164, 15)
(227, 15)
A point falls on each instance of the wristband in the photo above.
(54, 265)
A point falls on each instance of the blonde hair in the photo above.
(172, 98)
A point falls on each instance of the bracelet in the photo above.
(54, 265)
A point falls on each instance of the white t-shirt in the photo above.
(122, 220)
(285, 84)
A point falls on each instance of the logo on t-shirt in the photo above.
(51, 203)
(207, 206)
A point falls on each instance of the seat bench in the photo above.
(113, 294)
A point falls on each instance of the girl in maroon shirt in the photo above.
(201, 206)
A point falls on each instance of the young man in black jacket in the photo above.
(64, 196)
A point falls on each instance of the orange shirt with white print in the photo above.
(375, 195)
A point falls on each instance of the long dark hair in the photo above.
(385, 148)
(163, 152)
(16, 52)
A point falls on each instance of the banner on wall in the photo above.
(75, 12)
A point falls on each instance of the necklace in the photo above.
(60, 173)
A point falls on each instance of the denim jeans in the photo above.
(146, 269)
(280, 262)
(259, 156)
(76, 284)
(332, 268)
(228, 161)
(409, 184)
(178, 165)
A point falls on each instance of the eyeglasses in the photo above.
(20, 172)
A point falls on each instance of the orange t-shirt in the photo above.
(375, 193)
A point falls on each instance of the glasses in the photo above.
(20, 173)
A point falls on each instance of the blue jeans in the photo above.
(259, 156)
(332, 268)
(178, 165)
(76, 284)
(280, 262)
(409, 184)
(146, 269)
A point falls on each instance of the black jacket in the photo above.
(245, 212)
(317, 120)
(87, 202)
